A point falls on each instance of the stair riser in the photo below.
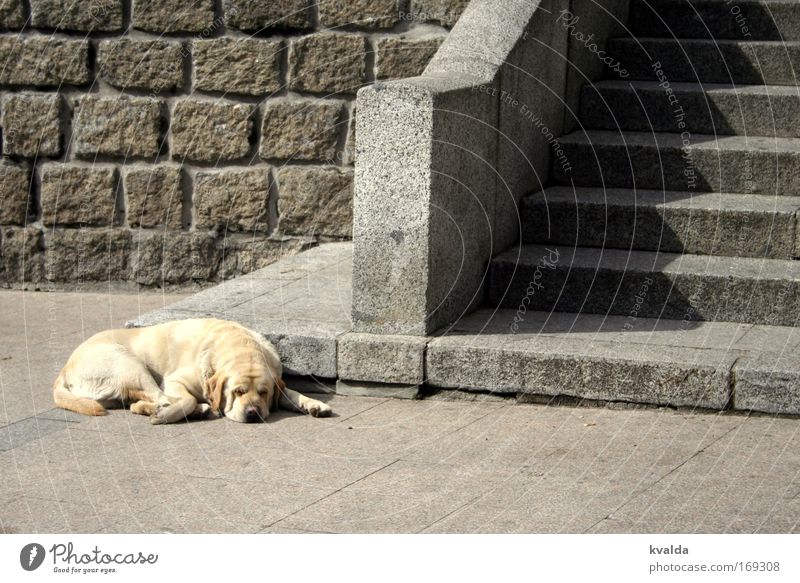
(667, 229)
(551, 373)
(685, 297)
(705, 113)
(707, 170)
(741, 20)
(772, 64)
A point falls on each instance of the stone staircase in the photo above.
(659, 267)
(680, 207)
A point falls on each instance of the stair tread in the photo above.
(710, 88)
(606, 328)
(674, 140)
(713, 201)
(656, 262)
(722, 42)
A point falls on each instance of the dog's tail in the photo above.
(65, 399)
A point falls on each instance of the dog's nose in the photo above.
(252, 415)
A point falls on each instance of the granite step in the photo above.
(713, 365)
(736, 225)
(647, 284)
(681, 162)
(707, 61)
(720, 19)
(752, 110)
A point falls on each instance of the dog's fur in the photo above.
(179, 370)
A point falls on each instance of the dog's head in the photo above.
(245, 395)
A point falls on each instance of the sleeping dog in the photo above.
(180, 370)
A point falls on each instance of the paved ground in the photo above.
(379, 466)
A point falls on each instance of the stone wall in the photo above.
(162, 142)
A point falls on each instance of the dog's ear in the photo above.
(280, 386)
(214, 392)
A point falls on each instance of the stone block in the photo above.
(32, 125)
(327, 63)
(382, 358)
(232, 200)
(86, 16)
(15, 184)
(532, 364)
(377, 390)
(22, 252)
(12, 14)
(211, 131)
(175, 16)
(78, 195)
(256, 15)
(86, 254)
(315, 201)
(160, 257)
(398, 58)
(444, 12)
(117, 126)
(154, 196)
(767, 382)
(300, 130)
(155, 65)
(237, 65)
(44, 61)
(364, 13)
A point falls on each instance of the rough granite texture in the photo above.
(316, 200)
(32, 125)
(156, 65)
(211, 131)
(444, 12)
(175, 16)
(44, 61)
(363, 13)
(153, 196)
(300, 130)
(117, 126)
(86, 16)
(22, 250)
(14, 193)
(327, 63)
(86, 254)
(232, 200)
(248, 66)
(12, 14)
(78, 195)
(257, 15)
(398, 58)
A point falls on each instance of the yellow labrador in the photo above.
(179, 370)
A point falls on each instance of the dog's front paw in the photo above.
(319, 409)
